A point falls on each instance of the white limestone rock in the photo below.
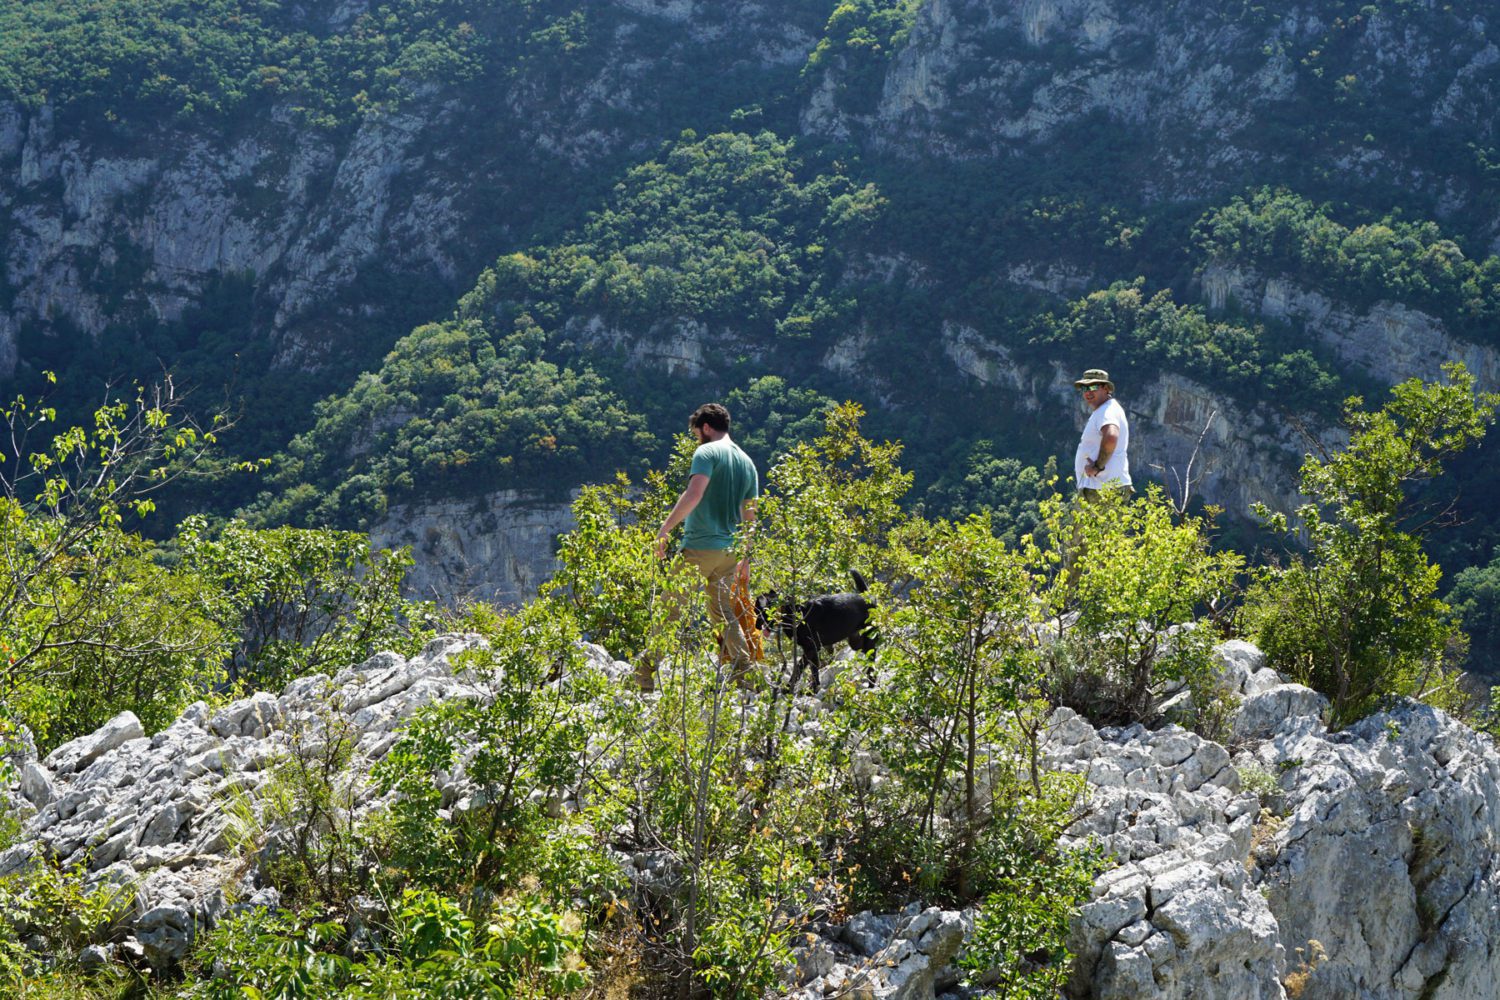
(85, 750)
(1263, 715)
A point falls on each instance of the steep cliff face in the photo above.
(1388, 341)
(497, 547)
(350, 234)
(1200, 95)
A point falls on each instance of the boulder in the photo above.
(85, 750)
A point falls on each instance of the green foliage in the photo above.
(742, 807)
(518, 949)
(310, 801)
(92, 625)
(1358, 617)
(829, 507)
(1475, 600)
(299, 601)
(963, 674)
(1411, 262)
(732, 228)
(521, 743)
(1153, 333)
(958, 644)
(608, 572)
(46, 916)
(120, 60)
(453, 408)
(859, 40)
(771, 416)
(1021, 929)
(1010, 491)
(1133, 588)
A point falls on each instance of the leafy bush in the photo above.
(858, 42)
(298, 601)
(522, 743)
(829, 507)
(90, 623)
(1358, 617)
(962, 667)
(607, 568)
(1035, 886)
(1132, 590)
(519, 950)
(47, 915)
(317, 856)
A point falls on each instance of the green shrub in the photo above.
(47, 916)
(1132, 587)
(522, 742)
(1358, 617)
(299, 601)
(518, 949)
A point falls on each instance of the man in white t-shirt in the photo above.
(1102, 458)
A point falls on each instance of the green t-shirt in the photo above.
(731, 481)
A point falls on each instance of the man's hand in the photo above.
(742, 573)
(661, 544)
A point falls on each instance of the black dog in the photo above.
(818, 623)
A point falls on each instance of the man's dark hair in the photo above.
(712, 414)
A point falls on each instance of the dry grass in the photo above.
(1267, 825)
(1308, 961)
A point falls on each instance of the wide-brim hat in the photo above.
(1092, 376)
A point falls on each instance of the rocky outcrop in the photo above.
(1357, 863)
(1362, 865)
(160, 818)
(1347, 864)
(497, 547)
(1388, 341)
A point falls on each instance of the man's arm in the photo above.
(1109, 437)
(680, 510)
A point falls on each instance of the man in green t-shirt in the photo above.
(720, 496)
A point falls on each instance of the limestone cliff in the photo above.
(497, 547)
(353, 234)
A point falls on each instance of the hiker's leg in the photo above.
(717, 567)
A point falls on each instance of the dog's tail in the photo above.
(859, 581)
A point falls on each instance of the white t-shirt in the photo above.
(1117, 469)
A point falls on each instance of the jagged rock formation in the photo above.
(1377, 842)
(496, 547)
(1197, 85)
(1389, 341)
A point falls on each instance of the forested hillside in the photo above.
(427, 250)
